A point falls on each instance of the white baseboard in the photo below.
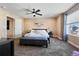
(59, 38)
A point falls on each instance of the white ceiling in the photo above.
(47, 9)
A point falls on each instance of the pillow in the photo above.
(35, 31)
(39, 31)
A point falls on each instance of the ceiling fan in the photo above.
(33, 11)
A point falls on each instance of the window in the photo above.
(73, 28)
(73, 24)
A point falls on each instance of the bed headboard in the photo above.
(39, 29)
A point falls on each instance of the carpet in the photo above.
(55, 48)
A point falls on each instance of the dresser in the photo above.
(6, 47)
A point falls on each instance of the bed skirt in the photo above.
(42, 42)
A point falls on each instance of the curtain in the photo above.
(65, 28)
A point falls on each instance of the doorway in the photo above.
(10, 27)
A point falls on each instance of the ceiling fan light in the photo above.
(34, 15)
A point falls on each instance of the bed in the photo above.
(36, 37)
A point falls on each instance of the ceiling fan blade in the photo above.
(33, 10)
(38, 14)
(28, 10)
(28, 13)
(38, 10)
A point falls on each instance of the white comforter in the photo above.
(37, 34)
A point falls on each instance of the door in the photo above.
(10, 27)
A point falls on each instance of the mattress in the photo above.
(37, 35)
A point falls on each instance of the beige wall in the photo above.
(60, 26)
(3, 31)
(49, 23)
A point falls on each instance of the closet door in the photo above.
(10, 27)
